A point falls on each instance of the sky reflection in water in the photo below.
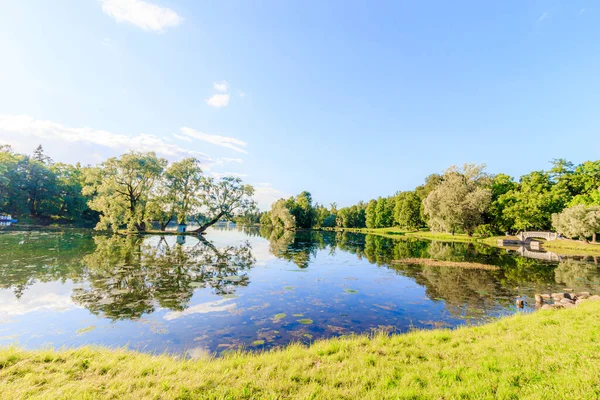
(252, 288)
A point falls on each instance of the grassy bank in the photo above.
(548, 354)
(559, 246)
(563, 246)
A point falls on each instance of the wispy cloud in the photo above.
(182, 137)
(543, 16)
(265, 195)
(223, 141)
(219, 175)
(222, 86)
(22, 130)
(218, 100)
(142, 14)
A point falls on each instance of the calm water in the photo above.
(253, 288)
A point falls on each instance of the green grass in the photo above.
(545, 355)
(577, 247)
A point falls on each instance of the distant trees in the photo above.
(281, 217)
(459, 202)
(407, 210)
(352, 217)
(36, 186)
(579, 221)
(135, 189)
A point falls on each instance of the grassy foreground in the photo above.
(544, 355)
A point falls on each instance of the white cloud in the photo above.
(222, 86)
(265, 195)
(242, 94)
(218, 100)
(202, 308)
(23, 131)
(182, 137)
(54, 296)
(147, 16)
(223, 141)
(543, 16)
(219, 175)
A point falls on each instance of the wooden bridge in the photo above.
(528, 236)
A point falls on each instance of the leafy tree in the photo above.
(459, 201)
(530, 204)
(384, 213)
(122, 188)
(501, 184)
(40, 186)
(371, 214)
(281, 217)
(70, 201)
(407, 210)
(579, 221)
(265, 219)
(224, 198)
(302, 209)
(177, 192)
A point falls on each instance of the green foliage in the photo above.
(459, 202)
(579, 221)
(225, 198)
(281, 217)
(352, 217)
(35, 185)
(121, 189)
(371, 214)
(407, 210)
(532, 202)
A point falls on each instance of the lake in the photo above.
(254, 288)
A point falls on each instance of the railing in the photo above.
(525, 236)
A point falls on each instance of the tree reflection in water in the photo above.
(127, 275)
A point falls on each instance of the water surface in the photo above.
(254, 289)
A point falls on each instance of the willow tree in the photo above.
(122, 187)
(281, 217)
(579, 221)
(221, 199)
(459, 202)
(177, 192)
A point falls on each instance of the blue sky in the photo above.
(349, 100)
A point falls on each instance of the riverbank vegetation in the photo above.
(467, 201)
(128, 192)
(509, 358)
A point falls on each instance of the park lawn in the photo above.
(392, 232)
(572, 247)
(553, 354)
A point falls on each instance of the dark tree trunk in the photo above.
(209, 223)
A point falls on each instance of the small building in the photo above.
(181, 228)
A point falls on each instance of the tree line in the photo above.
(565, 198)
(127, 192)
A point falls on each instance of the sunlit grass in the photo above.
(545, 355)
(577, 246)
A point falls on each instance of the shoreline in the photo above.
(505, 358)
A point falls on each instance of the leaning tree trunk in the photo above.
(213, 221)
